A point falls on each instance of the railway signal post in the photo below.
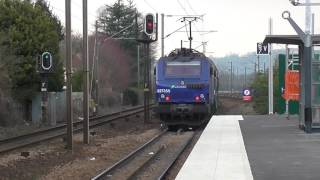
(149, 36)
(45, 66)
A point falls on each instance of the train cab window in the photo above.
(211, 71)
(178, 69)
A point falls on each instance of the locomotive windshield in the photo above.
(179, 69)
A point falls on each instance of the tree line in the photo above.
(29, 28)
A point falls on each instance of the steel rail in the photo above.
(147, 163)
(62, 126)
(183, 148)
(17, 142)
(128, 157)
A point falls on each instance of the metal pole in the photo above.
(245, 77)
(162, 35)
(145, 85)
(190, 38)
(270, 72)
(286, 64)
(148, 82)
(231, 86)
(97, 70)
(204, 44)
(313, 21)
(255, 68)
(308, 84)
(69, 74)
(44, 98)
(308, 74)
(138, 65)
(258, 57)
(308, 17)
(85, 74)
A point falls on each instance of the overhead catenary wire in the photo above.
(73, 16)
(148, 4)
(193, 11)
(113, 35)
(188, 14)
(184, 9)
(175, 30)
(188, 2)
(185, 23)
(80, 6)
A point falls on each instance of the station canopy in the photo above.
(290, 39)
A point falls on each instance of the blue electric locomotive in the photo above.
(186, 84)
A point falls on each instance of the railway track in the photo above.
(152, 160)
(17, 142)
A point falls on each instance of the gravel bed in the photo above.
(50, 160)
(110, 143)
(170, 142)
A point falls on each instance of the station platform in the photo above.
(253, 147)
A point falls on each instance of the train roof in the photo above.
(184, 52)
(184, 55)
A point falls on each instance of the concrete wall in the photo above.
(56, 107)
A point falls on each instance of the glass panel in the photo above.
(316, 73)
(315, 94)
(178, 69)
(316, 115)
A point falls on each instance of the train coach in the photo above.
(186, 85)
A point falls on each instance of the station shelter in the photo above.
(309, 73)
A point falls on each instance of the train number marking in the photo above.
(163, 91)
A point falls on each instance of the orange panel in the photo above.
(292, 86)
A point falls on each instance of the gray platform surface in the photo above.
(278, 150)
(219, 153)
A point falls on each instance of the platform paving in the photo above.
(219, 153)
(277, 149)
(257, 147)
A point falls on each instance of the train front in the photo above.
(183, 90)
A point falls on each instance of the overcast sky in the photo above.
(240, 23)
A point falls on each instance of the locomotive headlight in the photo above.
(162, 96)
(202, 96)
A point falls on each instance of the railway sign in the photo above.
(246, 95)
(262, 49)
(246, 92)
(44, 86)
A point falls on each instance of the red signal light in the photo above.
(197, 98)
(148, 24)
(168, 98)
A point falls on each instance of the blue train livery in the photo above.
(186, 85)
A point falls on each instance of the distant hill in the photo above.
(240, 62)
